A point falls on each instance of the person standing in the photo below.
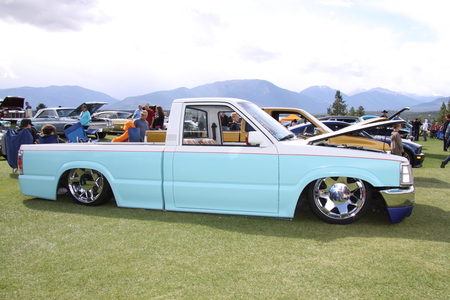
(158, 123)
(142, 124)
(425, 128)
(416, 129)
(85, 117)
(224, 121)
(446, 137)
(444, 128)
(28, 111)
(396, 141)
(383, 114)
(137, 112)
(150, 116)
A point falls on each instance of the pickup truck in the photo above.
(270, 174)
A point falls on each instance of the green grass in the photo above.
(62, 250)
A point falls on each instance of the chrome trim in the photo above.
(399, 197)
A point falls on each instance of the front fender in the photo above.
(291, 185)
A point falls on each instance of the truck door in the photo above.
(213, 175)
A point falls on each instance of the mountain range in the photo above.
(315, 99)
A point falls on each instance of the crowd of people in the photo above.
(145, 118)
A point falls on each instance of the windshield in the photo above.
(64, 112)
(269, 123)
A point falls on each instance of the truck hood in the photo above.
(12, 102)
(92, 108)
(352, 128)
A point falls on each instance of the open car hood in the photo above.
(12, 102)
(92, 108)
(353, 128)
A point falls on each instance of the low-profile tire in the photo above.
(88, 187)
(339, 200)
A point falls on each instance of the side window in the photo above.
(195, 130)
(46, 114)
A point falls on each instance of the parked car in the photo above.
(4, 126)
(310, 126)
(11, 108)
(346, 119)
(64, 117)
(117, 117)
(357, 139)
(413, 151)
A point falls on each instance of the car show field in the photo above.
(62, 250)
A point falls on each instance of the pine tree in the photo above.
(351, 112)
(360, 112)
(442, 112)
(338, 108)
(40, 106)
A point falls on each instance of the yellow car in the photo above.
(309, 126)
(118, 117)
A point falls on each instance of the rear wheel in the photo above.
(88, 187)
(339, 200)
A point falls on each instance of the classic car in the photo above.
(11, 108)
(318, 127)
(117, 117)
(346, 119)
(413, 151)
(64, 117)
(4, 125)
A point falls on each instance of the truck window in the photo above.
(195, 126)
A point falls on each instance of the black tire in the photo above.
(408, 156)
(339, 200)
(102, 135)
(88, 187)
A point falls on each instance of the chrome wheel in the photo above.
(339, 200)
(87, 186)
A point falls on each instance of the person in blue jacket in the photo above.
(85, 117)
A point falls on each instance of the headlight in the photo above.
(406, 175)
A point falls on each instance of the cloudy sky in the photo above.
(135, 47)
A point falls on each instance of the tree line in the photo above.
(339, 108)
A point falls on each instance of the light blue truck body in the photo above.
(265, 178)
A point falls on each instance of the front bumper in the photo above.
(399, 202)
(417, 160)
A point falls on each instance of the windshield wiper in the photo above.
(289, 136)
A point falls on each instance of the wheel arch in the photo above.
(65, 168)
(289, 204)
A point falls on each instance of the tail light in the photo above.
(20, 162)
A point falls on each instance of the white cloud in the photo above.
(135, 47)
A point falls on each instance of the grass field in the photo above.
(62, 250)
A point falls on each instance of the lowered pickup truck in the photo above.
(270, 174)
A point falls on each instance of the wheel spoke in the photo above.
(339, 198)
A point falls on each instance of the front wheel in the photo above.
(102, 135)
(339, 200)
(88, 187)
(408, 156)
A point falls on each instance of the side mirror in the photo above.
(256, 138)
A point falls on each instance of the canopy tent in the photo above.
(291, 117)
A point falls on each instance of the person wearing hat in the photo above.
(26, 124)
(383, 114)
